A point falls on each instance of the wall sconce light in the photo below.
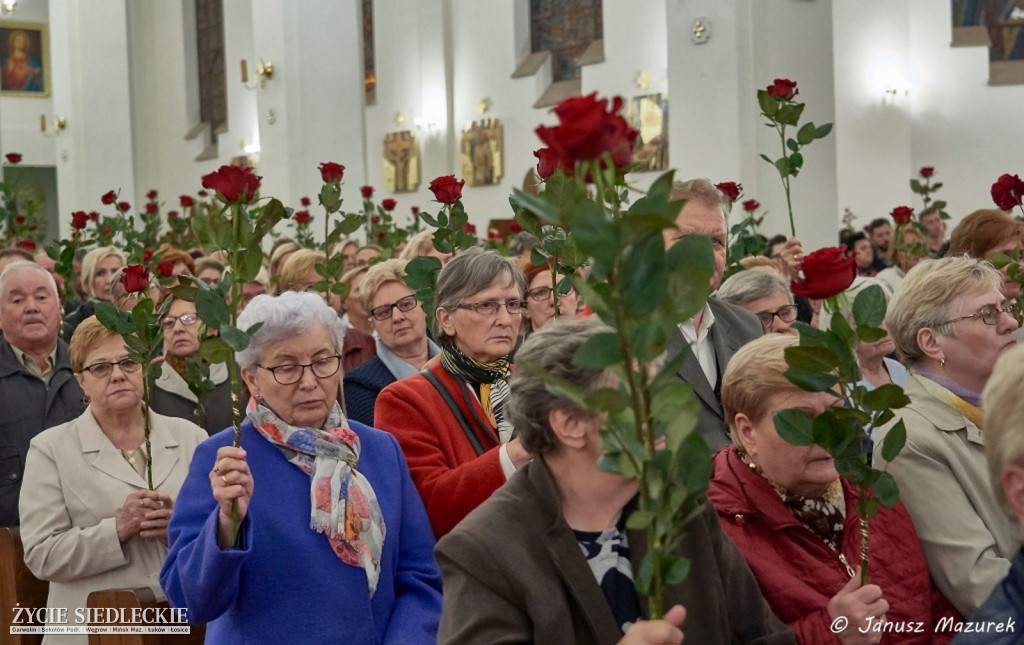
(264, 72)
(59, 124)
(890, 78)
(425, 124)
(7, 7)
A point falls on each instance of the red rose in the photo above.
(515, 227)
(415, 210)
(186, 201)
(135, 278)
(19, 219)
(751, 205)
(366, 192)
(447, 189)
(302, 217)
(172, 214)
(106, 231)
(388, 204)
(79, 220)
(165, 269)
(589, 128)
(493, 234)
(27, 245)
(152, 207)
(94, 216)
(330, 171)
(124, 207)
(826, 272)
(469, 228)
(902, 214)
(382, 235)
(147, 255)
(1007, 192)
(375, 219)
(202, 193)
(304, 202)
(151, 195)
(109, 197)
(14, 157)
(783, 89)
(927, 171)
(234, 184)
(730, 189)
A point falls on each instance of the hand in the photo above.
(518, 454)
(133, 513)
(858, 611)
(667, 631)
(230, 480)
(792, 254)
(154, 527)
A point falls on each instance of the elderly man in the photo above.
(37, 388)
(719, 329)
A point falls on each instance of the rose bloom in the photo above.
(589, 128)
(330, 171)
(375, 219)
(27, 245)
(415, 210)
(135, 278)
(106, 231)
(305, 202)
(147, 255)
(94, 216)
(730, 189)
(388, 204)
(152, 207)
(783, 89)
(203, 193)
(902, 214)
(109, 197)
(151, 195)
(302, 217)
(124, 207)
(447, 189)
(234, 184)
(172, 214)
(14, 157)
(165, 269)
(751, 205)
(186, 201)
(19, 219)
(79, 219)
(826, 272)
(366, 192)
(515, 227)
(927, 171)
(493, 234)
(469, 228)
(1007, 192)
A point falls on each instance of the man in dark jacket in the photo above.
(719, 329)
(37, 387)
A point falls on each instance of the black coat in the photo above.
(362, 385)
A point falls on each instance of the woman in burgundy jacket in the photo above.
(796, 523)
(450, 419)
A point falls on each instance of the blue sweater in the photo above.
(285, 584)
(362, 385)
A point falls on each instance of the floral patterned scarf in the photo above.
(343, 504)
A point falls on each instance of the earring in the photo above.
(942, 362)
(86, 400)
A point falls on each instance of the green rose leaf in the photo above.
(605, 399)
(794, 425)
(806, 134)
(886, 490)
(114, 319)
(639, 520)
(212, 308)
(600, 350)
(811, 381)
(769, 104)
(676, 570)
(894, 441)
(214, 349)
(234, 337)
(823, 131)
(782, 165)
(811, 359)
(869, 306)
(868, 334)
(885, 397)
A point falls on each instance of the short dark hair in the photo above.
(875, 223)
(772, 241)
(850, 238)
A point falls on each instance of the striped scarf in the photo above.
(493, 380)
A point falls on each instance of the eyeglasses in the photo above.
(103, 370)
(384, 312)
(786, 314)
(167, 324)
(292, 372)
(540, 294)
(989, 314)
(492, 307)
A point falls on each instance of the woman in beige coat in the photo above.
(88, 520)
(950, 321)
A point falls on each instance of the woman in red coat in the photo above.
(450, 419)
(796, 523)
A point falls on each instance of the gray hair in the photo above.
(22, 265)
(550, 350)
(748, 286)
(702, 191)
(929, 294)
(290, 314)
(470, 272)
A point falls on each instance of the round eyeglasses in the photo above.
(290, 373)
(786, 314)
(383, 312)
(989, 314)
(103, 370)
(167, 324)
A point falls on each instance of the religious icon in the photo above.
(24, 59)
(649, 115)
(482, 147)
(401, 162)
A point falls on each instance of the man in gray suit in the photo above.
(719, 329)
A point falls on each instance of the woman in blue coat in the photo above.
(333, 543)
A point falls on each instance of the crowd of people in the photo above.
(398, 480)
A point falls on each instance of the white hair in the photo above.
(22, 265)
(290, 314)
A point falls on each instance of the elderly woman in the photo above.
(98, 267)
(88, 519)
(796, 523)
(299, 274)
(400, 326)
(950, 321)
(171, 393)
(905, 251)
(985, 233)
(540, 299)
(210, 270)
(333, 544)
(452, 418)
(764, 294)
(562, 570)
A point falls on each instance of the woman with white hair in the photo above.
(950, 321)
(333, 545)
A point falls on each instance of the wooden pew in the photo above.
(18, 587)
(141, 598)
